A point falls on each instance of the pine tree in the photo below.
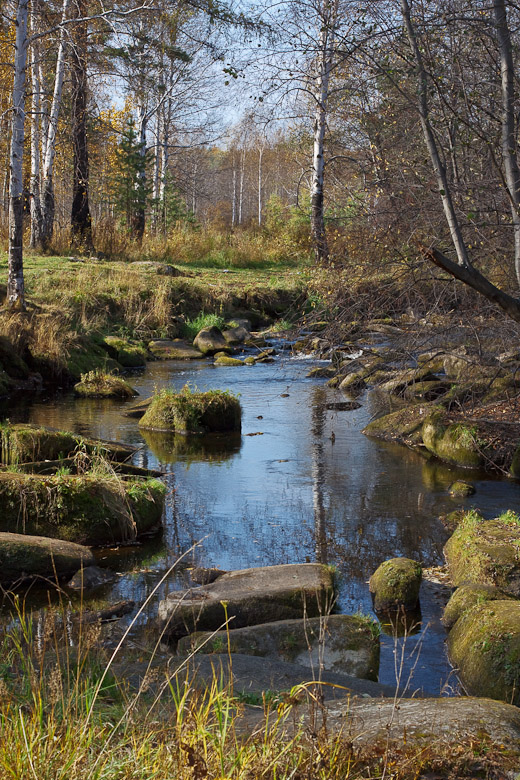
(130, 189)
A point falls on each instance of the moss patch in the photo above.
(224, 360)
(97, 384)
(395, 584)
(193, 412)
(485, 646)
(86, 509)
(486, 552)
(466, 597)
(130, 354)
(23, 443)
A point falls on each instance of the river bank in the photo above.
(302, 482)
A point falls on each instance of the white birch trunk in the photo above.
(241, 185)
(260, 155)
(157, 173)
(15, 280)
(48, 205)
(35, 203)
(234, 198)
(325, 58)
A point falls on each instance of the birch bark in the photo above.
(327, 20)
(15, 280)
(48, 205)
(35, 202)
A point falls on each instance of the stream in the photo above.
(301, 484)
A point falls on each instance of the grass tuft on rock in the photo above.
(190, 411)
(97, 384)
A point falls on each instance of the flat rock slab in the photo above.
(424, 720)
(250, 675)
(251, 596)
(23, 556)
(174, 349)
(347, 644)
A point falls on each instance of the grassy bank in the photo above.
(73, 305)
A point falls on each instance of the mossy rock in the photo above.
(96, 384)
(86, 509)
(236, 335)
(249, 361)
(403, 381)
(456, 443)
(460, 489)
(468, 596)
(129, 354)
(23, 556)
(426, 391)
(173, 447)
(321, 372)
(404, 425)
(24, 443)
(214, 411)
(484, 645)
(225, 360)
(395, 585)
(340, 643)
(174, 349)
(210, 340)
(486, 552)
(353, 383)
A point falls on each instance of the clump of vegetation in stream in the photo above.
(190, 411)
(98, 384)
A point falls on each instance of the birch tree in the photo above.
(15, 279)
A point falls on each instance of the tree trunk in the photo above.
(509, 134)
(80, 218)
(50, 145)
(139, 217)
(15, 281)
(35, 202)
(321, 95)
(429, 137)
(260, 155)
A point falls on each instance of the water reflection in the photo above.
(174, 447)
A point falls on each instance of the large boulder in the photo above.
(210, 340)
(154, 267)
(250, 596)
(466, 597)
(486, 552)
(341, 643)
(23, 556)
(395, 585)
(26, 443)
(236, 336)
(484, 645)
(404, 425)
(425, 722)
(456, 443)
(174, 349)
(87, 509)
(214, 411)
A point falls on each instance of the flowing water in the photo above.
(301, 484)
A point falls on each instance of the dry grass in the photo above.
(64, 714)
